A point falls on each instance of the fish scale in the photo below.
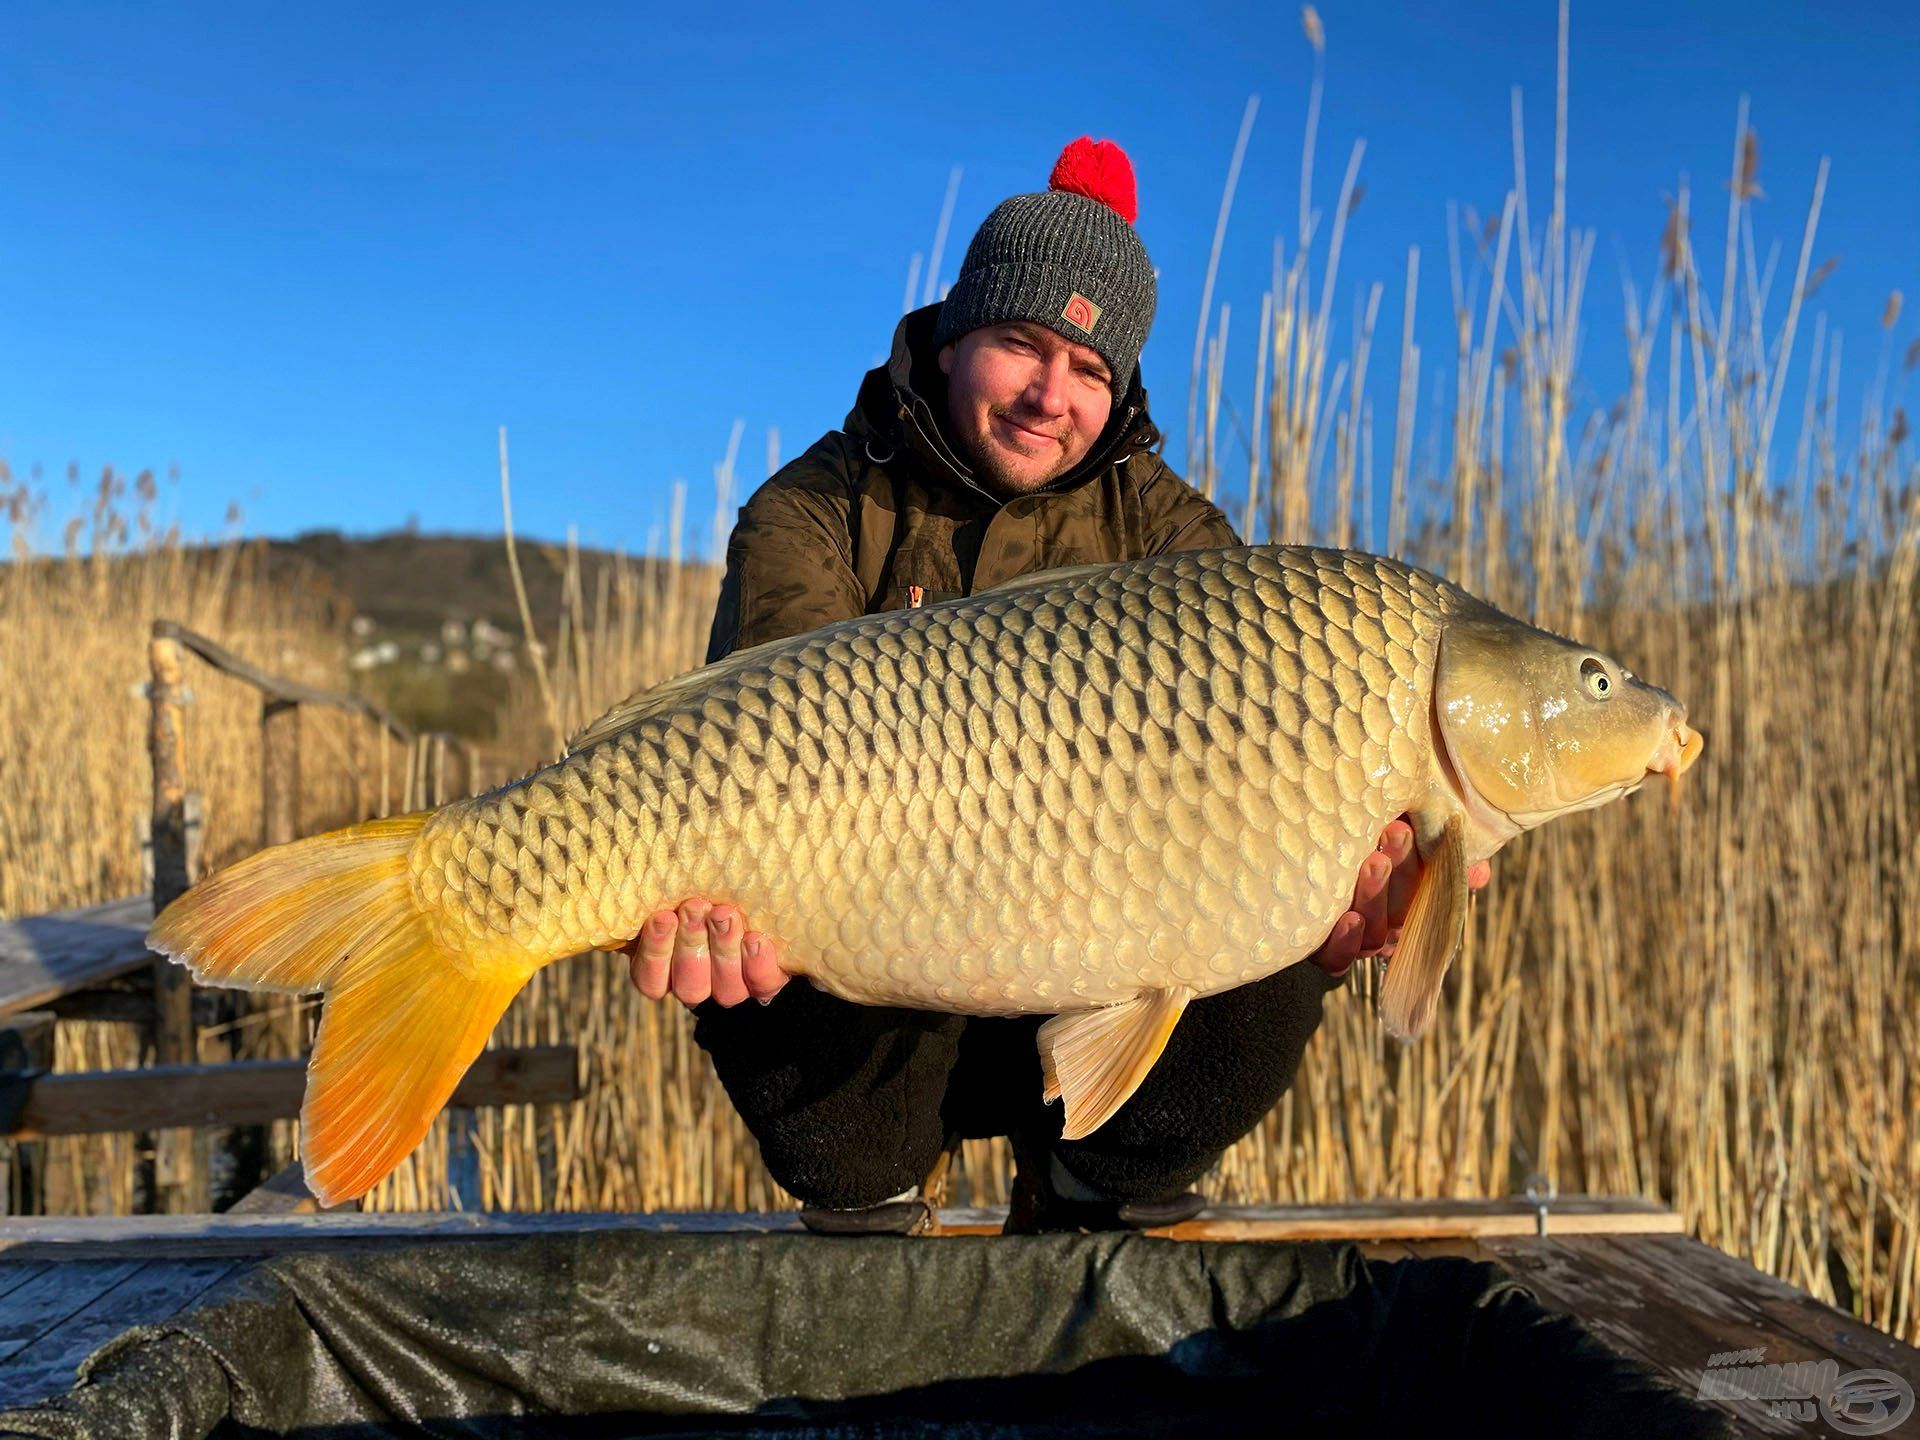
(1062, 792)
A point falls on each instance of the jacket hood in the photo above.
(903, 405)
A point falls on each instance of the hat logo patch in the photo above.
(1081, 313)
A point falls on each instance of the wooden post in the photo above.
(280, 725)
(356, 738)
(463, 1151)
(463, 1159)
(279, 771)
(26, 1052)
(236, 1157)
(172, 1181)
(433, 768)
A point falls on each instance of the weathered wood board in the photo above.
(1672, 1303)
(252, 1092)
(110, 1299)
(235, 1234)
(45, 957)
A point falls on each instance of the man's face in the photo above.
(1025, 404)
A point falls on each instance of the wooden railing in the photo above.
(204, 1120)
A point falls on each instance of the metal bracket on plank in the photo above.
(1540, 1193)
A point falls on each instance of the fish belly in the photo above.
(1048, 796)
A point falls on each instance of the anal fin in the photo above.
(1436, 925)
(1096, 1059)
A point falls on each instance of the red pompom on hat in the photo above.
(1052, 259)
(1099, 170)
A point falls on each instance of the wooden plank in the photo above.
(284, 1193)
(1383, 1220)
(43, 957)
(275, 686)
(32, 1309)
(14, 1274)
(150, 1294)
(125, 1001)
(1359, 1210)
(149, 1237)
(255, 1091)
(1728, 1291)
(1716, 1283)
(1571, 1215)
(246, 1233)
(1673, 1304)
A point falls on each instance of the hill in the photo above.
(409, 585)
(431, 622)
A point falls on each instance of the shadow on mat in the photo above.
(1552, 1379)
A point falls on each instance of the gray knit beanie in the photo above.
(1067, 258)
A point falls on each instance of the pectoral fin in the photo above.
(1096, 1059)
(1436, 924)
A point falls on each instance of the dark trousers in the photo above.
(852, 1104)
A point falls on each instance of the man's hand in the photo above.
(703, 951)
(1381, 898)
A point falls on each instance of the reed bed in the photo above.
(1712, 1006)
(75, 789)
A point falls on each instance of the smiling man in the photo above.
(1024, 404)
(1007, 434)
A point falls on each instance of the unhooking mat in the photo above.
(651, 1334)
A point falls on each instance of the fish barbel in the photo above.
(1093, 793)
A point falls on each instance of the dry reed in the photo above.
(74, 788)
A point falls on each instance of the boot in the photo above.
(1048, 1200)
(907, 1213)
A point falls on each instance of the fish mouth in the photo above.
(1679, 748)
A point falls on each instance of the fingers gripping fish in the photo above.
(1095, 793)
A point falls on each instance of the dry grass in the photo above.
(1715, 1008)
(73, 631)
(74, 781)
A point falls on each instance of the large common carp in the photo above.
(1094, 793)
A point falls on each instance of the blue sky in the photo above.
(314, 259)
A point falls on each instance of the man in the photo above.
(1007, 434)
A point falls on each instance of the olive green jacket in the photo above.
(885, 504)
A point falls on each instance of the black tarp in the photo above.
(622, 1333)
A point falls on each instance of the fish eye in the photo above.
(1594, 673)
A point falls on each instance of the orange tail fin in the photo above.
(404, 1017)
